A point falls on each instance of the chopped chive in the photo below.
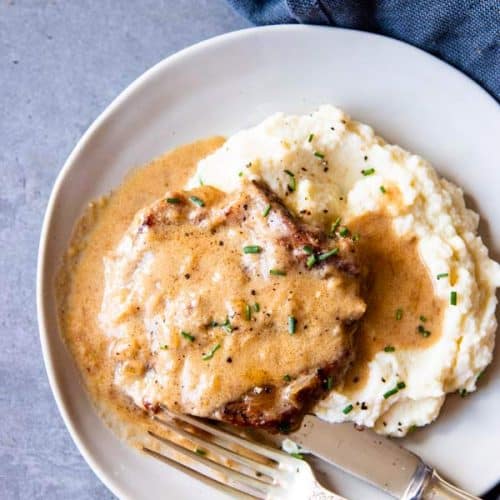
(164, 347)
(197, 201)
(390, 393)
(292, 325)
(252, 249)
(256, 307)
(329, 383)
(344, 232)
(211, 353)
(442, 275)
(311, 260)
(319, 155)
(412, 428)
(356, 237)
(266, 211)
(174, 201)
(399, 314)
(200, 452)
(227, 325)
(328, 254)
(287, 378)
(240, 174)
(425, 333)
(463, 393)
(292, 184)
(188, 336)
(389, 348)
(310, 138)
(248, 312)
(401, 385)
(335, 225)
(297, 455)
(309, 250)
(480, 376)
(277, 272)
(382, 189)
(201, 181)
(423, 319)
(347, 409)
(213, 324)
(368, 171)
(453, 298)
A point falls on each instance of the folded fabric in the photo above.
(464, 33)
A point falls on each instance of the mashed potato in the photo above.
(341, 168)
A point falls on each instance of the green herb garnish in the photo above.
(453, 298)
(319, 155)
(227, 325)
(399, 314)
(266, 211)
(330, 253)
(309, 250)
(292, 184)
(311, 260)
(164, 347)
(297, 455)
(442, 275)
(389, 348)
(277, 272)
(335, 225)
(292, 325)
(211, 353)
(256, 307)
(174, 201)
(347, 409)
(248, 312)
(252, 249)
(383, 190)
(310, 138)
(463, 393)
(368, 171)
(423, 319)
(329, 383)
(344, 232)
(197, 201)
(200, 452)
(188, 336)
(287, 378)
(356, 237)
(399, 386)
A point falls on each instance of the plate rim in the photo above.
(42, 284)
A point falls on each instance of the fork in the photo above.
(231, 464)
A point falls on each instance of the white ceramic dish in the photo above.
(233, 81)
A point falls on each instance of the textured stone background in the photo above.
(61, 63)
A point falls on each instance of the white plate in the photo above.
(233, 81)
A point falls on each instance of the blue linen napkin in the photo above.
(465, 33)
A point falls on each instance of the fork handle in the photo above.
(321, 493)
(439, 489)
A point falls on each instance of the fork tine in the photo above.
(229, 490)
(259, 449)
(228, 476)
(220, 450)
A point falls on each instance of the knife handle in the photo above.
(439, 489)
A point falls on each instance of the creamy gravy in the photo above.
(400, 296)
(399, 278)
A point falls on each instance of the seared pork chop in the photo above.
(226, 306)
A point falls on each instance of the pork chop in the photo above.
(227, 306)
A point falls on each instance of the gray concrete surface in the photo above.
(61, 63)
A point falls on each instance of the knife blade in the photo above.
(364, 454)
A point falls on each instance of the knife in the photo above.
(373, 458)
